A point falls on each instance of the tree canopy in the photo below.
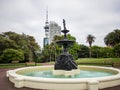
(112, 38)
(26, 43)
(12, 55)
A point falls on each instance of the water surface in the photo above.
(82, 74)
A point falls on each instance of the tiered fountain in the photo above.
(65, 64)
(65, 75)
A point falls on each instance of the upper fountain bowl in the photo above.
(65, 41)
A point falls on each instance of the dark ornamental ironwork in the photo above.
(65, 60)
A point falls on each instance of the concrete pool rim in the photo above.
(64, 84)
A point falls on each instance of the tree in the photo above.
(95, 51)
(90, 40)
(73, 49)
(106, 52)
(7, 43)
(102, 52)
(116, 50)
(33, 47)
(112, 38)
(69, 37)
(12, 55)
(56, 38)
(22, 42)
(83, 52)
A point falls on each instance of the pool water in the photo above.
(82, 74)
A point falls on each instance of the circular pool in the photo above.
(82, 74)
(41, 77)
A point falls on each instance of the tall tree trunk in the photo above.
(90, 53)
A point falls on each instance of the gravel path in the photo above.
(5, 84)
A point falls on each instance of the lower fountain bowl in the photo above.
(66, 73)
(16, 76)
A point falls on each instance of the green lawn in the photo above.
(82, 61)
(98, 61)
(12, 65)
(17, 65)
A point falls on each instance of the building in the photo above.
(54, 29)
(46, 27)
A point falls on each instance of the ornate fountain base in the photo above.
(66, 73)
(65, 62)
(65, 66)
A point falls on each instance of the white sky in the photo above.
(83, 17)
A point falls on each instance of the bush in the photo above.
(102, 52)
(117, 50)
(12, 55)
(83, 52)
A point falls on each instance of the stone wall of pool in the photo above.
(19, 80)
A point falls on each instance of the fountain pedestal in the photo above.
(65, 64)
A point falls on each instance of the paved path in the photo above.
(5, 84)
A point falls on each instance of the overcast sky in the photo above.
(83, 17)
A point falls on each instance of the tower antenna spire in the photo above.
(47, 14)
(46, 27)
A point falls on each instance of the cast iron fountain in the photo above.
(65, 60)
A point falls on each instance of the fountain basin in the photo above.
(95, 83)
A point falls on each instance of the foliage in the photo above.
(106, 52)
(112, 38)
(29, 47)
(7, 43)
(74, 50)
(101, 52)
(22, 42)
(117, 50)
(50, 52)
(12, 55)
(56, 38)
(95, 51)
(83, 52)
(45, 55)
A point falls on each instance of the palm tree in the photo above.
(90, 40)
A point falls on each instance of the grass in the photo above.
(12, 65)
(82, 61)
(17, 65)
(98, 61)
